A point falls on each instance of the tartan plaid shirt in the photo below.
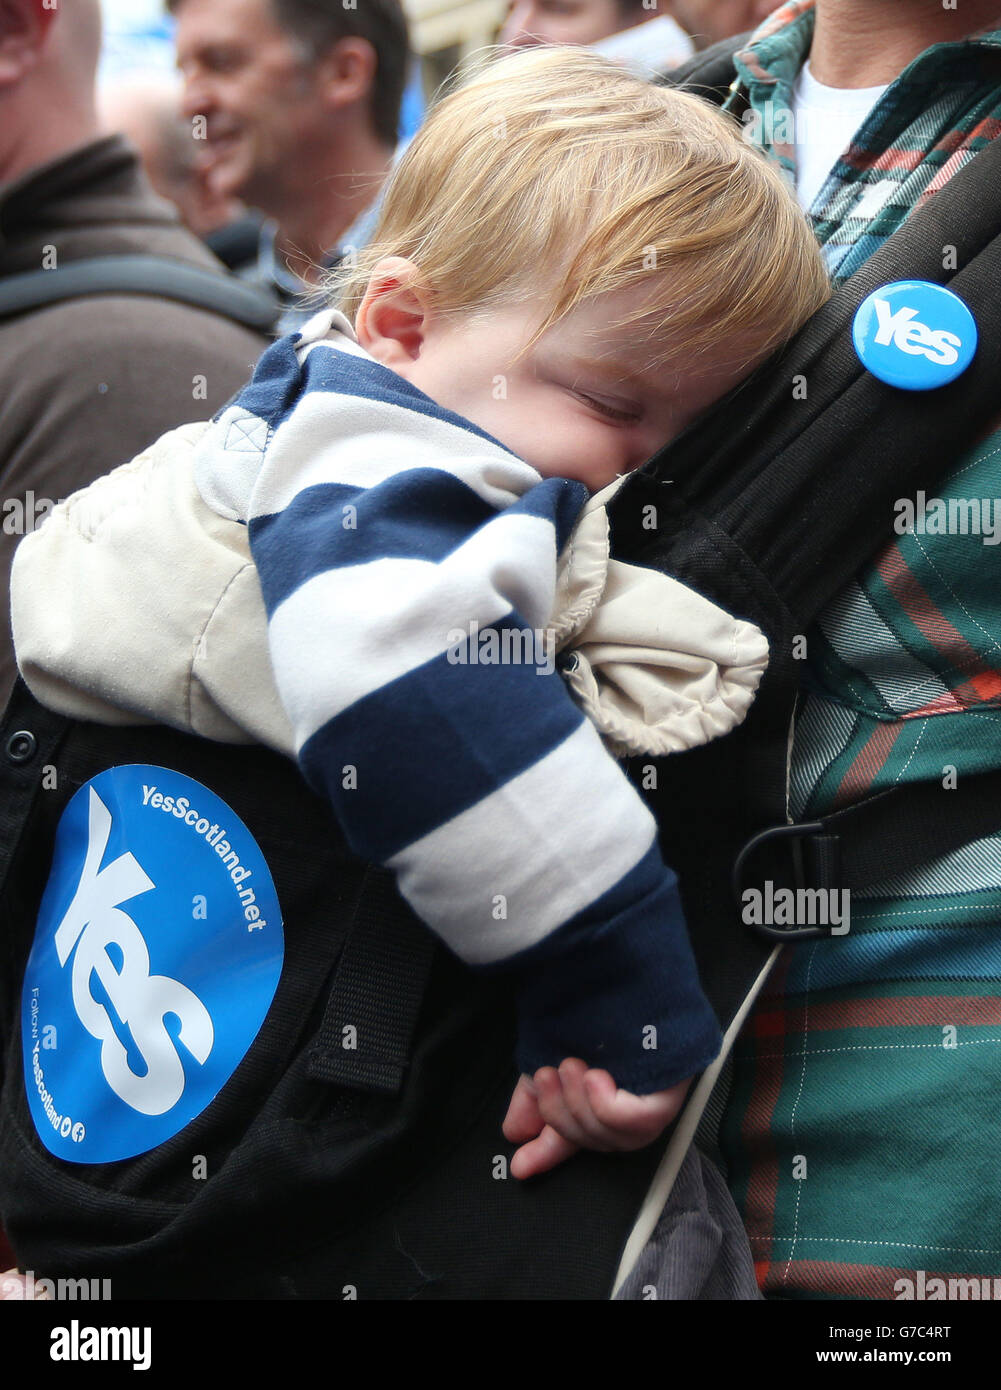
(861, 1129)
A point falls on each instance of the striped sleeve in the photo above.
(408, 566)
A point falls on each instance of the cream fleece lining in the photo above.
(136, 603)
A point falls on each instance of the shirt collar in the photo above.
(780, 46)
(272, 268)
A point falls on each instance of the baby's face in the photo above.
(578, 405)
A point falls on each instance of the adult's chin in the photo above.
(231, 170)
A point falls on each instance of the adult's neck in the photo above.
(867, 43)
(42, 129)
(319, 204)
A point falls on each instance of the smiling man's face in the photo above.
(254, 87)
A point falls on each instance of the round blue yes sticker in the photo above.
(914, 334)
(157, 953)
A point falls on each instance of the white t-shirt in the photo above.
(825, 118)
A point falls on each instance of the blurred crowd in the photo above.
(274, 153)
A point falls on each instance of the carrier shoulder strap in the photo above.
(834, 461)
(710, 72)
(377, 993)
(157, 276)
(837, 459)
(884, 836)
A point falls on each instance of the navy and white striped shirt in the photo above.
(382, 525)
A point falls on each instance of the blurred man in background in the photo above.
(298, 103)
(709, 21)
(650, 36)
(146, 110)
(86, 383)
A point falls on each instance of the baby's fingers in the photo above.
(637, 1120)
(547, 1151)
(522, 1120)
(572, 1072)
(556, 1112)
(14, 1287)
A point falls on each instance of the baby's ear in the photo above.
(391, 319)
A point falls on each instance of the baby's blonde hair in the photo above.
(555, 175)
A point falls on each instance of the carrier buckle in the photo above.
(814, 906)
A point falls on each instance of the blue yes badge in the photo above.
(157, 953)
(914, 334)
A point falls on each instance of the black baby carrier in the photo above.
(352, 1147)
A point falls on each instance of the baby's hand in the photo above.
(14, 1288)
(555, 1113)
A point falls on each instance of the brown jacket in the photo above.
(88, 383)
